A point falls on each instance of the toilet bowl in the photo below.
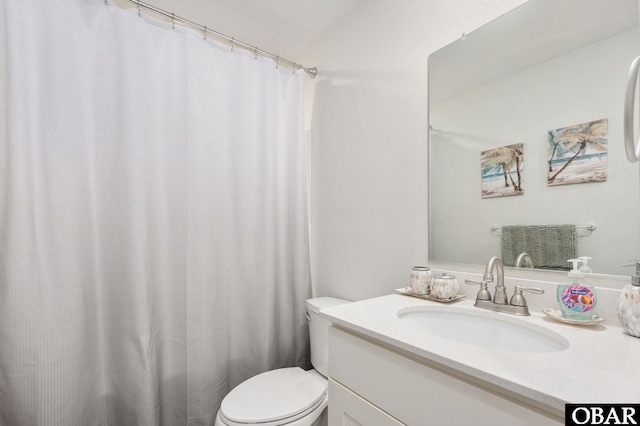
(286, 396)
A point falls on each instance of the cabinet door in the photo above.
(348, 409)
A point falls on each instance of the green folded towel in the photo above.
(549, 246)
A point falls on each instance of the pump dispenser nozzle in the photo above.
(575, 272)
(635, 279)
(585, 268)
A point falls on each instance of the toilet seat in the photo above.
(273, 398)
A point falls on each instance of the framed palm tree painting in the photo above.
(578, 154)
(501, 170)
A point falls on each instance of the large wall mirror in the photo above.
(548, 72)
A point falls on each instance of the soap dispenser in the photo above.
(576, 298)
(629, 305)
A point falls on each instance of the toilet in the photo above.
(286, 396)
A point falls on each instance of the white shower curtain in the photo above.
(153, 234)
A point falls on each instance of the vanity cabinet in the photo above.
(372, 383)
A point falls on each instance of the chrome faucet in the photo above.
(500, 296)
(517, 305)
(524, 258)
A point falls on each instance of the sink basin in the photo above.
(485, 330)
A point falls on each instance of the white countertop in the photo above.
(601, 365)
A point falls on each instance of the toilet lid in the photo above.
(272, 396)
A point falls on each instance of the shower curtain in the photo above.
(153, 231)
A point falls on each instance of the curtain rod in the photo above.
(312, 72)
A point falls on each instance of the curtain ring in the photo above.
(232, 43)
(139, 13)
(204, 33)
(173, 21)
(255, 52)
(293, 71)
(277, 62)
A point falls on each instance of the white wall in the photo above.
(367, 116)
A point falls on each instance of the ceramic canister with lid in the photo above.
(444, 286)
(420, 279)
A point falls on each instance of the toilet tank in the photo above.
(319, 331)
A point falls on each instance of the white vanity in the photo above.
(386, 371)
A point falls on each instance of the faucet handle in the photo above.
(483, 293)
(518, 299)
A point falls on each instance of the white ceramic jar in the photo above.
(444, 286)
(629, 309)
(420, 280)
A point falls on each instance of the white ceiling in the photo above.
(530, 34)
(282, 27)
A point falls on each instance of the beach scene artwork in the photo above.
(502, 171)
(578, 154)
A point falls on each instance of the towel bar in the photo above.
(590, 227)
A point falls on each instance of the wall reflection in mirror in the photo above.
(531, 105)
